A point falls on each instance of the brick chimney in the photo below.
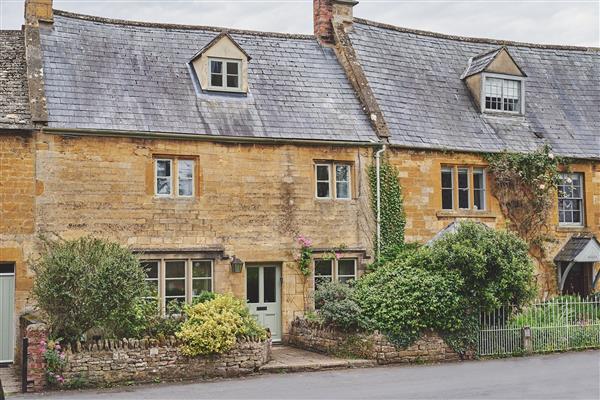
(38, 10)
(328, 12)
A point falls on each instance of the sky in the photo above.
(567, 22)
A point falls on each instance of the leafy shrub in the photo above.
(214, 326)
(337, 307)
(402, 298)
(84, 283)
(494, 265)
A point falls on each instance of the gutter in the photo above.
(378, 194)
(201, 137)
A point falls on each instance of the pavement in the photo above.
(557, 376)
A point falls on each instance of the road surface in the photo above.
(557, 376)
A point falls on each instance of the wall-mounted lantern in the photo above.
(236, 264)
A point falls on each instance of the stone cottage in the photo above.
(209, 151)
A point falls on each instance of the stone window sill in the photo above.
(464, 214)
(571, 228)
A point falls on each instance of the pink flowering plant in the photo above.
(304, 256)
(55, 358)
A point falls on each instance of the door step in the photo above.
(10, 379)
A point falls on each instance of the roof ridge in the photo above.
(114, 21)
(473, 39)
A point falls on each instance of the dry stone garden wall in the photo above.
(107, 362)
(374, 346)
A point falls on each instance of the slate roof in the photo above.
(107, 74)
(415, 77)
(572, 248)
(14, 96)
(480, 62)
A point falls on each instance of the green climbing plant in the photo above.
(525, 185)
(393, 218)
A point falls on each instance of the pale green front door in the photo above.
(7, 307)
(263, 294)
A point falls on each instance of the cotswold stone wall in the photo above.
(313, 336)
(118, 361)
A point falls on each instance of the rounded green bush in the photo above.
(86, 283)
(213, 326)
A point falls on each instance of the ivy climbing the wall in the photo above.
(393, 219)
(525, 185)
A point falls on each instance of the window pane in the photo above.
(322, 189)
(186, 169)
(150, 268)
(322, 173)
(201, 269)
(252, 284)
(216, 67)
(175, 287)
(186, 188)
(163, 185)
(232, 81)
(216, 80)
(447, 178)
(175, 269)
(493, 94)
(346, 267)
(341, 190)
(7, 268)
(201, 285)
(269, 284)
(342, 173)
(232, 68)
(447, 202)
(323, 267)
(163, 167)
(479, 189)
(463, 188)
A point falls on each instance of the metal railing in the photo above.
(563, 323)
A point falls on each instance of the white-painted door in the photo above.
(263, 294)
(7, 307)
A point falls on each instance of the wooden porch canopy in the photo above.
(579, 249)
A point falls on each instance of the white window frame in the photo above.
(157, 279)
(337, 271)
(483, 189)
(224, 62)
(348, 182)
(451, 170)
(459, 189)
(170, 160)
(470, 187)
(486, 75)
(581, 176)
(317, 181)
(332, 181)
(193, 179)
(334, 269)
(192, 279)
(162, 282)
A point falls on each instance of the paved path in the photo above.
(291, 359)
(557, 376)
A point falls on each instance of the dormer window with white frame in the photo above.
(221, 66)
(502, 94)
(224, 74)
(496, 82)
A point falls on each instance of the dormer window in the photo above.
(496, 82)
(502, 94)
(221, 66)
(224, 74)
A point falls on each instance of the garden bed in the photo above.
(314, 336)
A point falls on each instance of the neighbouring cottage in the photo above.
(205, 148)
